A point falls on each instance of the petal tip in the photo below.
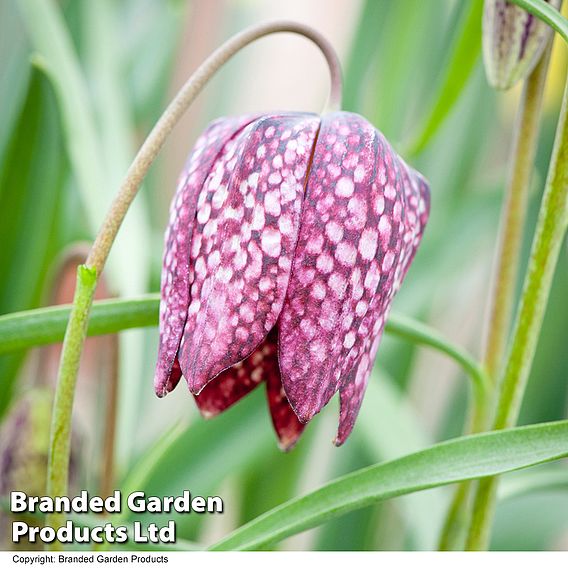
(166, 379)
(286, 445)
(160, 384)
(340, 439)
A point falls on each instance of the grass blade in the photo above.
(47, 325)
(464, 56)
(461, 459)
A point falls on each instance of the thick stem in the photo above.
(87, 275)
(525, 141)
(513, 218)
(58, 465)
(550, 231)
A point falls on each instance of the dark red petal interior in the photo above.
(237, 381)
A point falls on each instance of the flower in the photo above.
(288, 237)
(513, 42)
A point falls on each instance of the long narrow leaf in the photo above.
(56, 56)
(43, 326)
(32, 174)
(47, 325)
(458, 460)
(465, 54)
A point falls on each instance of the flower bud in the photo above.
(24, 451)
(24, 447)
(513, 42)
(25, 443)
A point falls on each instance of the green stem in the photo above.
(525, 140)
(422, 334)
(22, 330)
(550, 231)
(87, 275)
(58, 465)
(513, 217)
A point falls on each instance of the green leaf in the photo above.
(14, 69)
(205, 453)
(47, 325)
(464, 54)
(32, 174)
(57, 58)
(470, 457)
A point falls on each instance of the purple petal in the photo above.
(335, 271)
(354, 247)
(352, 391)
(175, 284)
(414, 210)
(243, 263)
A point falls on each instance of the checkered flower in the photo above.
(288, 237)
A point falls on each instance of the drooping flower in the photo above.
(513, 42)
(288, 237)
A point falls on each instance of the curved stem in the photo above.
(525, 140)
(187, 94)
(87, 275)
(551, 228)
(422, 334)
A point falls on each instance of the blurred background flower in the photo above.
(81, 83)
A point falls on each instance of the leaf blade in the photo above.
(42, 326)
(465, 54)
(458, 460)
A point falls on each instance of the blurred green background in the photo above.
(80, 87)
